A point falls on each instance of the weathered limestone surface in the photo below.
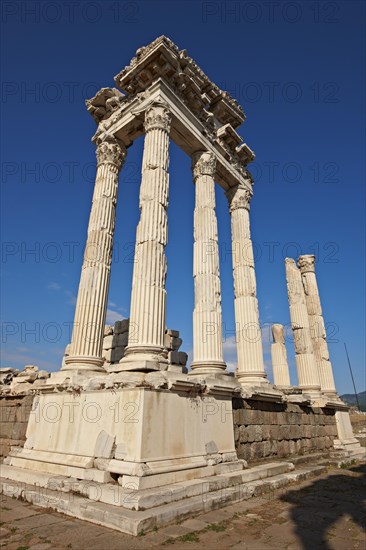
(91, 306)
(250, 369)
(306, 264)
(207, 317)
(145, 348)
(280, 368)
(307, 371)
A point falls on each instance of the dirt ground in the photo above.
(327, 513)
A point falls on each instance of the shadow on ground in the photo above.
(322, 510)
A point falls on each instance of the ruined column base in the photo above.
(144, 359)
(259, 385)
(208, 368)
(83, 364)
(346, 440)
(253, 379)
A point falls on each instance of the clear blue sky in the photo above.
(297, 68)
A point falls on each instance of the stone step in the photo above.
(308, 458)
(134, 522)
(144, 499)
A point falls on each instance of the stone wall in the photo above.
(268, 430)
(14, 415)
(262, 429)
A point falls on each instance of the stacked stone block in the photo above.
(14, 415)
(265, 430)
(116, 338)
(115, 341)
(172, 343)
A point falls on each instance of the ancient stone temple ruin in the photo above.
(125, 434)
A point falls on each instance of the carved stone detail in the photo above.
(157, 116)
(239, 197)
(185, 77)
(306, 263)
(111, 151)
(203, 164)
(104, 103)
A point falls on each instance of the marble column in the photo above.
(91, 305)
(145, 350)
(307, 371)
(207, 317)
(306, 264)
(280, 368)
(250, 369)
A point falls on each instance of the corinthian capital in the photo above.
(239, 197)
(203, 164)
(111, 151)
(157, 116)
(306, 263)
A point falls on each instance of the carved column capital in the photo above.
(203, 164)
(111, 151)
(306, 263)
(157, 116)
(239, 197)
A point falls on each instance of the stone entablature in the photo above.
(163, 59)
(203, 116)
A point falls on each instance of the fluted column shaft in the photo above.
(307, 371)
(306, 264)
(250, 369)
(145, 348)
(91, 304)
(207, 316)
(280, 368)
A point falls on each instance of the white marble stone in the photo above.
(207, 316)
(280, 368)
(250, 368)
(90, 313)
(145, 350)
(307, 371)
(306, 264)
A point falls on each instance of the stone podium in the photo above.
(139, 424)
(136, 442)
